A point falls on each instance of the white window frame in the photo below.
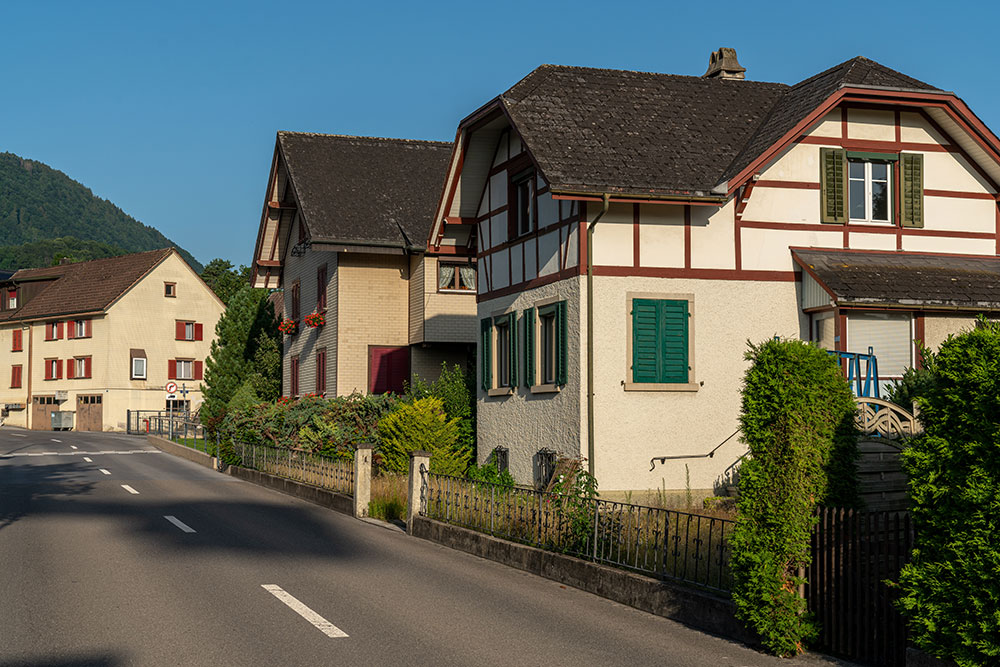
(53, 369)
(868, 191)
(189, 331)
(79, 367)
(187, 364)
(137, 375)
(79, 328)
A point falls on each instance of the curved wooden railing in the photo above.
(885, 419)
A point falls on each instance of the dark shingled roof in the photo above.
(599, 130)
(364, 189)
(931, 281)
(83, 287)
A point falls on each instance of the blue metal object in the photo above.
(865, 386)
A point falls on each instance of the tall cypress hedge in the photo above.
(798, 421)
(951, 587)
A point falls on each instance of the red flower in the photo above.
(288, 327)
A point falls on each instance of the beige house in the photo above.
(344, 234)
(100, 338)
(636, 229)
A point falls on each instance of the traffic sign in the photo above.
(171, 387)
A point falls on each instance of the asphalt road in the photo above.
(92, 572)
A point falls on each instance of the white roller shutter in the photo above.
(888, 334)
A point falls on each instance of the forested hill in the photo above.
(44, 213)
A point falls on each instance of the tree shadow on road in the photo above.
(23, 485)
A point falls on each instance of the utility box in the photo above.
(62, 420)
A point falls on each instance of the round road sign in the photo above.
(171, 387)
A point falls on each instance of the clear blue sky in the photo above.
(170, 109)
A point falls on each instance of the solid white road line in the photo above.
(130, 489)
(106, 472)
(180, 524)
(321, 624)
(88, 459)
(19, 435)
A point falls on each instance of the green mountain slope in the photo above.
(42, 210)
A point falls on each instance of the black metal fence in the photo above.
(653, 541)
(176, 426)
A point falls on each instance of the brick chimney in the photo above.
(722, 64)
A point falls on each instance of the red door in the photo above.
(388, 369)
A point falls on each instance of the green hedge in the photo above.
(798, 421)
(951, 587)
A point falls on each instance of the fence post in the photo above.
(418, 460)
(362, 479)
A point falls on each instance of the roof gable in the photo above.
(84, 287)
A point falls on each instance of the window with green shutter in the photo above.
(529, 347)
(660, 341)
(486, 353)
(912, 176)
(505, 333)
(833, 185)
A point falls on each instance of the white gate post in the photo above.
(362, 479)
(418, 460)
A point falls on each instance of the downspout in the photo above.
(590, 332)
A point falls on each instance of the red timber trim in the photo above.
(582, 264)
(448, 189)
(462, 251)
(635, 236)
(865, 229)
(959, 195)
(687, 237)
(875, 146)
(530, 284)
(534, 234)
(998, 228)
(897, 126)
(625, 200)
(702, 274)
(840, 333)
(919, 334)
(741, 205)
(264, 212)
(789, 185)
(268, 262)
(812, 274)
(960, 113)
(843, 123)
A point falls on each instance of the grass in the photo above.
(388, 497)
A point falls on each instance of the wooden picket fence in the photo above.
(854, 555)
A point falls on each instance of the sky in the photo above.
(170, 109)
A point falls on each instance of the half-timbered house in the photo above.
(344, 234)
(636, 229)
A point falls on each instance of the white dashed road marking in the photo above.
(127, 451)
(72, 446)
(88, 459)
(54, 440)
(106, 472)
(180, 524)
(130, 489)
(320, 623)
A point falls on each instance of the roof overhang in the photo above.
(944, 108)
(903, 280)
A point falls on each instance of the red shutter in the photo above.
(198, 331)
(71, 329)
(16, 346)
(172, 369)
(49, 331)
(15, 380)
(199, 370)
(59, 366)
(48, 369)
(70, 369)
(59, 330)
(86, 367)
(87, 330)
(178, 330)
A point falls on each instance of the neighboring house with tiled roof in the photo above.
(344, 233)
(103, 337)
(635, 229)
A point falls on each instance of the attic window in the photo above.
(170, 289)
(11, 299)
(523, 200)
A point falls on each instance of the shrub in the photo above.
(915, 383)
(456, 389)
(951, 588)
(421, 425)
(798, 421)
(490, 473)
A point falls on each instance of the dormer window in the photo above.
(12, 299)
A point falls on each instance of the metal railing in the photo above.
(316, 469)
(653, 541)
(179, 428)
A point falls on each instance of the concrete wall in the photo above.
(937, 328)
(144, 319)
(524, 422)
(426, 360)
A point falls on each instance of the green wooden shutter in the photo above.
(673, 343)
(912, 168)
(644, 340)
(485, 353)
(529, 347)
(562, 343)
(512, 328)
(833, 185)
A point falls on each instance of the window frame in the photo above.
(145, 369)
(82, 367)
(321, 371)
(506, 321)
(170, 290)
(293, 376)
(456, 279)
(11, 301)
(535, 345)
(16, 376)
(180, 376)
(868, 160)
(17, 340)
(692, 384)
(321, 285)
